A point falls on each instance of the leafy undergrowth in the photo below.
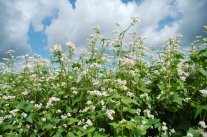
(101, 95)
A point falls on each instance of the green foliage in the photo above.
(102, 95)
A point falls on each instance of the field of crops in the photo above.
(102, 95)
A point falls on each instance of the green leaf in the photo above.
(12, 135)
(57, 135)
(194, 132)
(152, 121)
(76, 100)
(76, 65)
(33, 135)
(161, 86)
(61, 129)
(127, 100)
(144, 89)
(26, 106)
(115, 125)
(70, 134)
(199, 109)
(177, 99)
(130, 125)
(100, 134)
(72, 120)
(202, 71)
(117, 46)
(68, 109)
(29, 118)
(137, 77)
(61, 92)
(49, 126)
(75, 110)
(8, 126)
(132, 111)
(184, 125)
(55, 121)
(116, 95)
(89, 130)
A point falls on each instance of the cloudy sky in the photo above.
(34, 26)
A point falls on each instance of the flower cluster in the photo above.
(49, 103)
(203, 92)
(56, 47)
(98, 93)
(71, 46)
(109, 114)
(87, 123)
(148, 114)
(127, 62)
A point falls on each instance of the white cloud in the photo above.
(105, 13)
(70, 24)
(194, 18)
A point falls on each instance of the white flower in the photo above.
(88, 102)
(130, 94)
(13, 112)
(64, 125)
(54, 99)
(143, 122)
(109, 114)
(178, 35)
(122, 121)
(95, 65)
(127, 62)
(63, 117)
(138, 111)
(75, 92)
(38, 106)
(135, 19)
(117, 24)
(43, 119)
(101, 130)
(186, 99)
(204, 134)
(25, 93)
(204, 92)
(97, 27)
(198, 37)
(58, 111)
(189, 135)
(1, 120)
(89, 122)
(102, 102)
(68, 114)
(85, 126)
(183, 78)
(172, 131)
(115, 31)
(71, 46)
(203, 124)
(164, 128)
(7, 116)
(24, 115)
(57, 47)
(49, 103)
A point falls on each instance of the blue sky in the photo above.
(34, 26)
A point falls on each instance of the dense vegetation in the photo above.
(126, 93)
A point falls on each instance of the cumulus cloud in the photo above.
(14, 30)
(73, 24)
(193, 20)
